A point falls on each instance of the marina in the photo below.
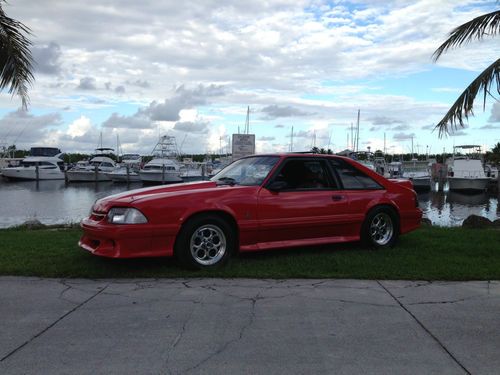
(56, 202)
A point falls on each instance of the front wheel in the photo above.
(205, 242)
(381, 228)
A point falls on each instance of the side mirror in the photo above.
(277, 186)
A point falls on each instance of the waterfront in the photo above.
(54, 202)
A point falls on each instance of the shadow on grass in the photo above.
(280, 263)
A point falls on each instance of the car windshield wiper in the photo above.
(226, 181)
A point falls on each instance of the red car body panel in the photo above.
(263, 219)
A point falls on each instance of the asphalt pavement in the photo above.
(245, 326)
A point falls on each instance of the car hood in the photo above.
(129, 197)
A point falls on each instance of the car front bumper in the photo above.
(127, 241)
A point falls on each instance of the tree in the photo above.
(16, 62)
(478, 28)
(496, 149)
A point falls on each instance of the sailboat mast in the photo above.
(247, 122)
(357, 134)
(352, 138)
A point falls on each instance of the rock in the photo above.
(33, 224)
(496, 224)
(426, 222)
(474, 221)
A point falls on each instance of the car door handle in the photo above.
(337, 197)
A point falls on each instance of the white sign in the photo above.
(243, 145)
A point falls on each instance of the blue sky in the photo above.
(140, 69)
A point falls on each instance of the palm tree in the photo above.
(478, 28)
(16, 62)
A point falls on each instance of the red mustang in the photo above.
(256, 203)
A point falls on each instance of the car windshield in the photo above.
(248, 171)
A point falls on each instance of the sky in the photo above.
(135, 70)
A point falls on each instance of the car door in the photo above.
(360, 189)
(306, 206)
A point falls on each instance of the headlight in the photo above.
(124, 215)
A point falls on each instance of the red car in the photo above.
(256, 203)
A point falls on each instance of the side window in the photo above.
(352, 178)
(304, 175)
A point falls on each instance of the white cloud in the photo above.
(313, 62)
(79, 127)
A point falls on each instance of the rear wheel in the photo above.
(205, 242)
(381, 228)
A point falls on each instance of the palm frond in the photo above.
(485, 25)
(16, 62)
(463, 107)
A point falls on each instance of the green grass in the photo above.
(430, 253)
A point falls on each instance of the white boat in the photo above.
(164, 167)
(365, 158)
(43, 163)
(418, 172)
(380, 165)
(128, 170)
(194, 171)
(491, 171)
(96, 170)
(395, 169)
(161, 170)
(214, 167)
(125, 174)
(465, 171)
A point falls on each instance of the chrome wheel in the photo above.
(208, 245)
(381, 229)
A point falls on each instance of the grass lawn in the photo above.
(430, 253)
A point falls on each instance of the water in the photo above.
(51, 202)
(54, 202)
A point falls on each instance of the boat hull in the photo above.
(31, 174)
(421, 183)
(122, 177)
(159, 177)
(468, 184)
(87, 176)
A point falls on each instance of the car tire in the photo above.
(380, 228)
(205, 242)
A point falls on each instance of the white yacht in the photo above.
(161, 170)
(128, 170)
(97, 168)
(418, 172)
(465, 171)
(43, 163)
(164, 167)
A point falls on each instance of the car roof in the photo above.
(298, 154)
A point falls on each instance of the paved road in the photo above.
(216, 326)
